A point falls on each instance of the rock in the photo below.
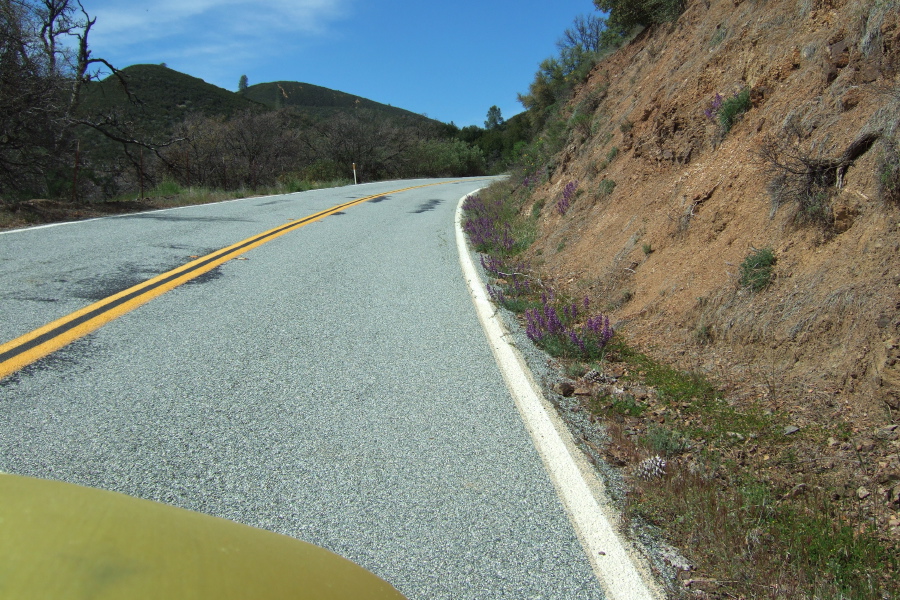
(616, 371)
(839, 53)
(850, 100)
(887, 475)
(675, 559)
(865, 445)
(868, 73)
(888, 433)
(564, 388)
(640, 393)
(583, 391)
(791, 429)
(862, 493)
(844, 216)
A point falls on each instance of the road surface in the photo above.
(332, 384)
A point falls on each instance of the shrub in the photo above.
(806, 178)
(612, 154)
(733, 108)
(446, 158)
(664, 441)
(581, 123)
(167, 187)
(606, 187)
(627, 14)
(323, 170)
(757, 269)
(727, 111)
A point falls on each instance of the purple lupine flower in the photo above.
(713, 111)
(534, 329)
(564, 203)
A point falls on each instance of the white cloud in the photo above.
(129, 31)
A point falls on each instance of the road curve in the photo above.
(333, 384)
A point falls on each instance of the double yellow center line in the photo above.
(39, 343)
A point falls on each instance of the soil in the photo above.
(820, 346)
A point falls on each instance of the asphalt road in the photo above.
(333, 385)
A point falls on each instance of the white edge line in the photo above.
(580, 489)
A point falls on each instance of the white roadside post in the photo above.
(354, 173)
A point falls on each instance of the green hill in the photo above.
(318, 101)
(165, 97)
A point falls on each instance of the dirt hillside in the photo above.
(662, 248)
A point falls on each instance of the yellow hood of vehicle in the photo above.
(61, 541)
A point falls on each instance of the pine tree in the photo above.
(494, 118)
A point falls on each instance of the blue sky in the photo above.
(450, 60)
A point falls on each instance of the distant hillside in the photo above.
(166, 97)
(317, 101)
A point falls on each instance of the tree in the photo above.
(27, 98)
(45, 62)
(242, 84)
(586, 33)
(494, 118)
(627, 14)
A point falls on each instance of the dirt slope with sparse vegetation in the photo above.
(737, 214)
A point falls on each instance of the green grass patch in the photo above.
(693, 394)
(733, 108)
(758, 269)
(625, 405)
(606, 187)
(612, 154)
(762, 546)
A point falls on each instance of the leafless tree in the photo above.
(586, 33)
(45, 62)
(377, 145)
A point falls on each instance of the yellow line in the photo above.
(82, 322)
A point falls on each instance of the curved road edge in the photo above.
(620, 572)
